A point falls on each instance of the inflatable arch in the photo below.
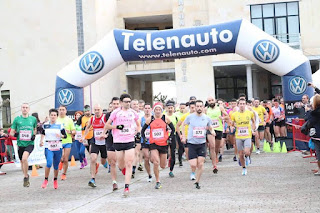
(239, 36)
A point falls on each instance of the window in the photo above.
(228, 88)
(278, 19)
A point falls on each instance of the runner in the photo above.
(267, 133)
(215, 113)
(198, 125)
(145, 143)
(125, 122)
(225, 126)
(52, 132)
(66, 142)
(158, 139)
(179, 114)
(79, 146)
(173, 144)
(262, 116)
(280, 124)
(231, 134)
(24, 127)
(98, 144)
(111, 152)
(241, 120)
(82, 122)
(192, 108)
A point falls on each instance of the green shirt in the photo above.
(68, 125)
(25, 129)
(179, 114)
(214, 114)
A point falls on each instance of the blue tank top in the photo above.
(143, 121)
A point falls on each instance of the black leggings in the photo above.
(181, 148)
(173, 146)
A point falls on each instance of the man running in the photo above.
(24, 127)
(66, 142)
(179, 114)
(145, 143)
(158, 139)
(267, 133)
(125, 124)
(263, 116)
(98, 145)
(244, 130)
(215, 113)
(198, 125)
(52, 132)
(232, 133)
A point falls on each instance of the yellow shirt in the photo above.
(243, 124)
(260, 110)
(185, 126)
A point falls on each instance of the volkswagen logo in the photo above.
(91, 63)
(297, 85)
(66, 97)
(266, 51)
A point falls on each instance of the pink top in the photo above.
(127, 118)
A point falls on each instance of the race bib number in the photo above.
(147, 133)
(215, 123)
(157, 133)
(78, 135)
(125, 131)
(199, 132)
(25, 135)
(243, 131)
(98, 133)
(85, 142)
(54, 145)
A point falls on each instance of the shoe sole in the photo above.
(215, 171)
(92, 185)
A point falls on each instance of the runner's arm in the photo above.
(86, 131)
(253, 119)
(178, 128)
(138, 125)
(266, 115)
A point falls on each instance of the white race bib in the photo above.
(25, 135)
(54, 145)
(147, 133)
(215, 123)
(157, 133)
(78, 135)
(97, 134)
(243, 131)
(199, 132)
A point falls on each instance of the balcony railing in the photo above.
(293, 40)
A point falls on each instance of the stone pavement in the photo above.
(275, 183)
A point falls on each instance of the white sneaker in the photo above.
(192, 176)
(317, 173)
(258, 151)
(149, 179)
(244, 171)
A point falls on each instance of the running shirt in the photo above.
(127, 118)
(182, 120)
(78, 134)
(179, 114)
(68, 125)
(25, 129)
(146, 132)
(158, 132)
(269, 111)
(52, 134)
(83, 122)
(277, 112)
(197, 128)
(174, 120)
(243, 124)
(98, 125)
(260, 110)
(214, 114)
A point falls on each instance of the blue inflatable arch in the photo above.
(238, 36)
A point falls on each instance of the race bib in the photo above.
(85, 142)
(78, 135)
(199, 132)
(98, 133)
(243, 131)
(215, 123)
(125, 131)
(54, 145)
(157, 133)
(147, 133)
(25, 135)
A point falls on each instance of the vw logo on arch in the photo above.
(297, 85)
(66, 97)
(91, 63)
(266, 51)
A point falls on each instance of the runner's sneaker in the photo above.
(158, 185)
(109, 170)
(197, 185)
(60, 165)
(171, 174)
(239, 162)
(26, 182)
(92, 183)
(244, 171)
(220, 158)
(55, 184)
(180, 164)
(317, 173)
(82, 165)
(132, 175)
(114, 186)
(63, 176)
(123, 171)
(2, 173)
(125, 192)
(149, 179)
(248, 161)
(235, 158)
(85, 161)
(258, 152)
(140, 168)
(215, 170)
(106, 165)
(44, 184)
(97, 167)
(192, 176)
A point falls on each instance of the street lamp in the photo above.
(1, 103)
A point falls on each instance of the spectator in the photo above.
(3, 149)
(9, 144)
(39, 124)
(314, 87)
(313, 124)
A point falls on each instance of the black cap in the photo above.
(193, 97)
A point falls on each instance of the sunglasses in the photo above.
(126, 102)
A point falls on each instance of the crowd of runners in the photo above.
(131, 135)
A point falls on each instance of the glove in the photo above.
(120, 127)
(33, 137)
(276, 119)
(16, 135)
(138, 136)
(145, 140)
